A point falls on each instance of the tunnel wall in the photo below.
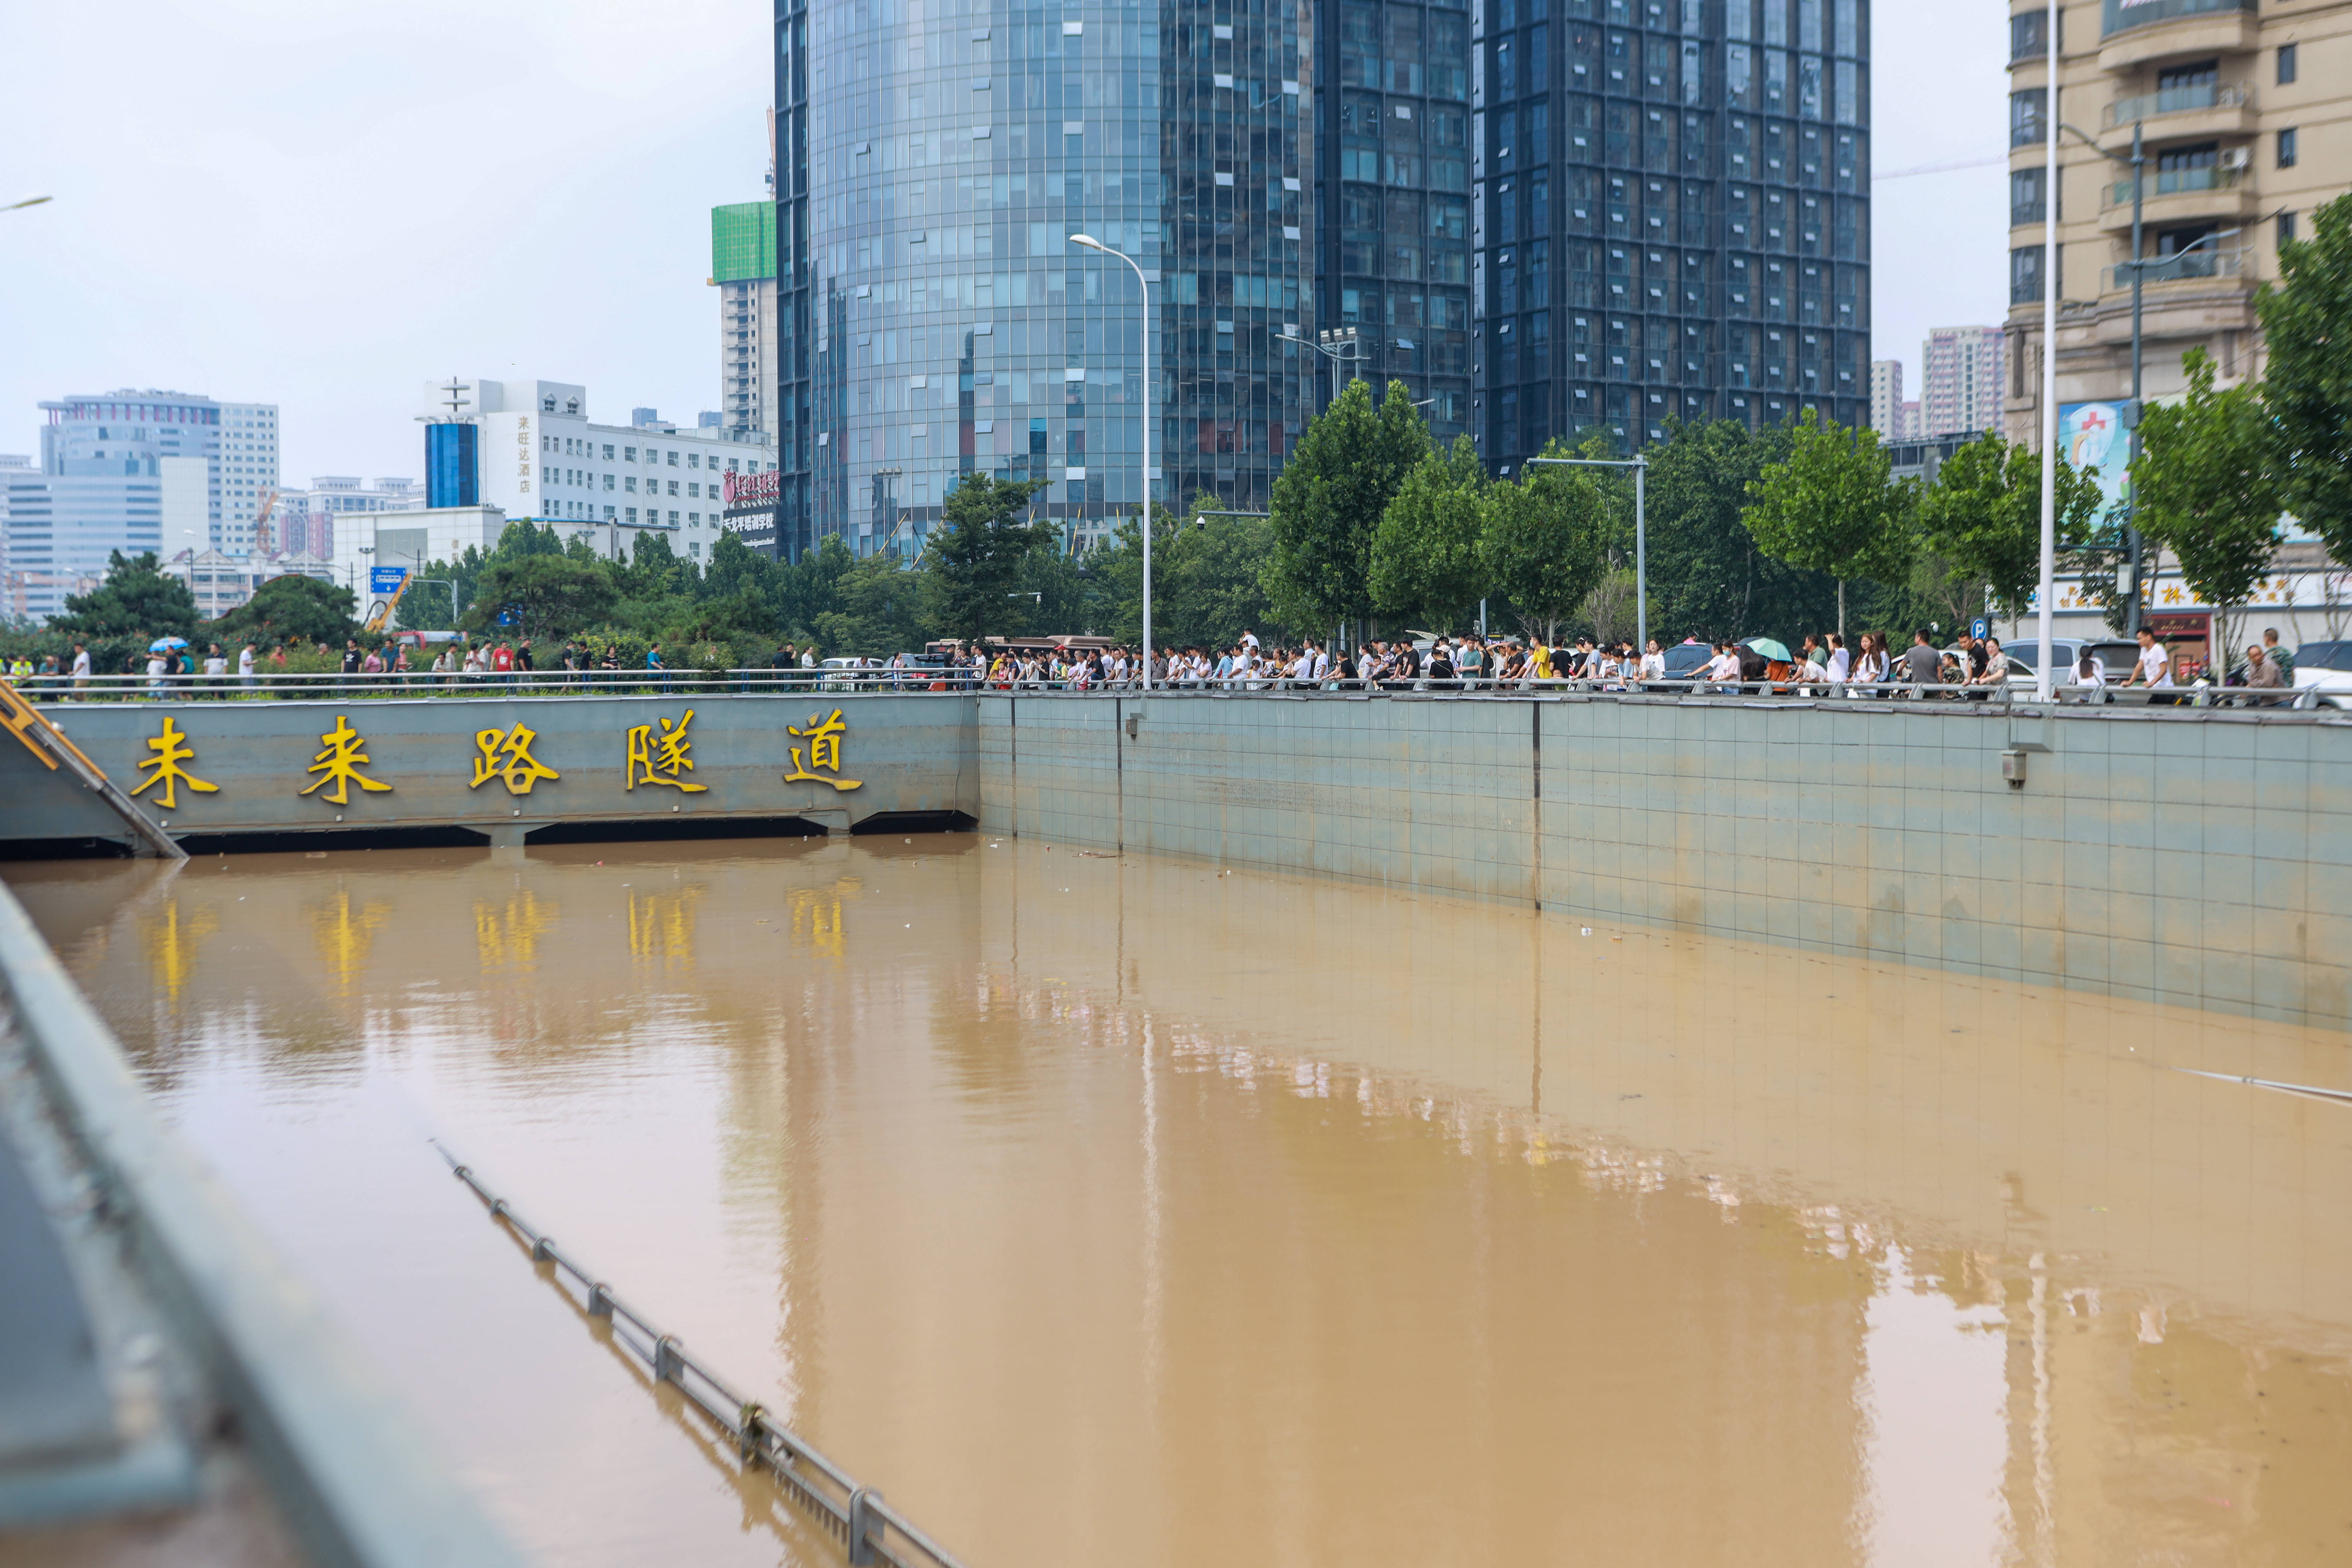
(2179, 856)
(907, 753)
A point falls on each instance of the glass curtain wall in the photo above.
(1392, 179)
(954, 146)
(1675, 217)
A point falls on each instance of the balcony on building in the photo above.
(2215, 191)
(2135, 33)
(2197, 112)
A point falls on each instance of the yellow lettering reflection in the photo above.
(344, 937)
(658, 759)
(505, 755)
(661, 925)
(823, 738)
(171, 749)
(171, 944)
(816, 920)
(338, 763)
(509, 938)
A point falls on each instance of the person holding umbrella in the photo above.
(162, 662)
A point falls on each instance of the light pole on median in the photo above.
(1143, 288)
(1346, 337)
(1641, 467)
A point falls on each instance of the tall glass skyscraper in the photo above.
(1675, 215)
(934, 321)
(1393, 188)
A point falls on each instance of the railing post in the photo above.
(864, 1528)
(667, 1361)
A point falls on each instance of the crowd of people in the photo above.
(1823, 665)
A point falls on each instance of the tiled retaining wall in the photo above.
(2179, 855)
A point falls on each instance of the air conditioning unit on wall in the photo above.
(2237, 157)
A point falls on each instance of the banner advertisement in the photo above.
(752, 501)
(2091, 435)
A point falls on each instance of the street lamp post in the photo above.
(2049, 356)
(1143, 288)
(1343, 335)
(1641, 467)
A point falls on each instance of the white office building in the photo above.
(1959, 382)
(536, 454)
(246, 471)
(1886, 399)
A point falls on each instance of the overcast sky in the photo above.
(322, 204)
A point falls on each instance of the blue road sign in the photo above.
(1980, 628)
(386, 579)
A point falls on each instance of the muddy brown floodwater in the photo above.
(1118, 1210)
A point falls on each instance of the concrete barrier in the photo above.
(506, 768)
(2191, 856)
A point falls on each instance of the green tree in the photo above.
(1543, 548)
(880, 610)
(973, 567)
(553, 595)
(1707, 578)
(1833, 506)
(806, 590)
(291, 609)
(1983, 515)
(2207, 488)
(136, 599)
(1330, 498)
(1429, 560)
(2307, 321)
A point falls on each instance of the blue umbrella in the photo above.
(165, 644)
(1771, 649)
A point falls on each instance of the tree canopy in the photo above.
(1429, 560)
(973, 586)
(1832, 506)
(2307, 319)
(1983, 515)
(1330, 498)
(290, 609)
(2208, 489)
(137, 598)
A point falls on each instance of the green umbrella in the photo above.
(1771, 649)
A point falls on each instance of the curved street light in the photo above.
(1144, 287)
(27, 202)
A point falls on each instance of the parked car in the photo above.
(2325, 669)
(1685, 659)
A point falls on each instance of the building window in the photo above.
(2285, 227)
(2286, 148)
(2025, 275)
(2025, 116)
(2286, 64)
(2025, 188)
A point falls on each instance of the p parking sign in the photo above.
(1980, 628)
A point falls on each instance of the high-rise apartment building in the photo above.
(1886, 398)
(245, 472)
(1391, 187)
(743, 270)
(1959, 382)
(935, 321)
(1675, 214)
(2243, 131)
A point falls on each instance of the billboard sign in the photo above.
(752, 492)
(2091, 435)
(752, 502)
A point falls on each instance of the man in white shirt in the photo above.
(2155, 666)
(81, 667)
(244, 666)
(1840, 658)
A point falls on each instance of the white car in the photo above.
(2325, 669)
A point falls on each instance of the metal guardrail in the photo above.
(2174, 100)
(870, 1529)
(359, 1482)
(804, 683)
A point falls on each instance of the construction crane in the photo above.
(261, 539)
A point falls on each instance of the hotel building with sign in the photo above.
(2242, 116)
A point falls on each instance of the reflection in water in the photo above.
(1105, 1208)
